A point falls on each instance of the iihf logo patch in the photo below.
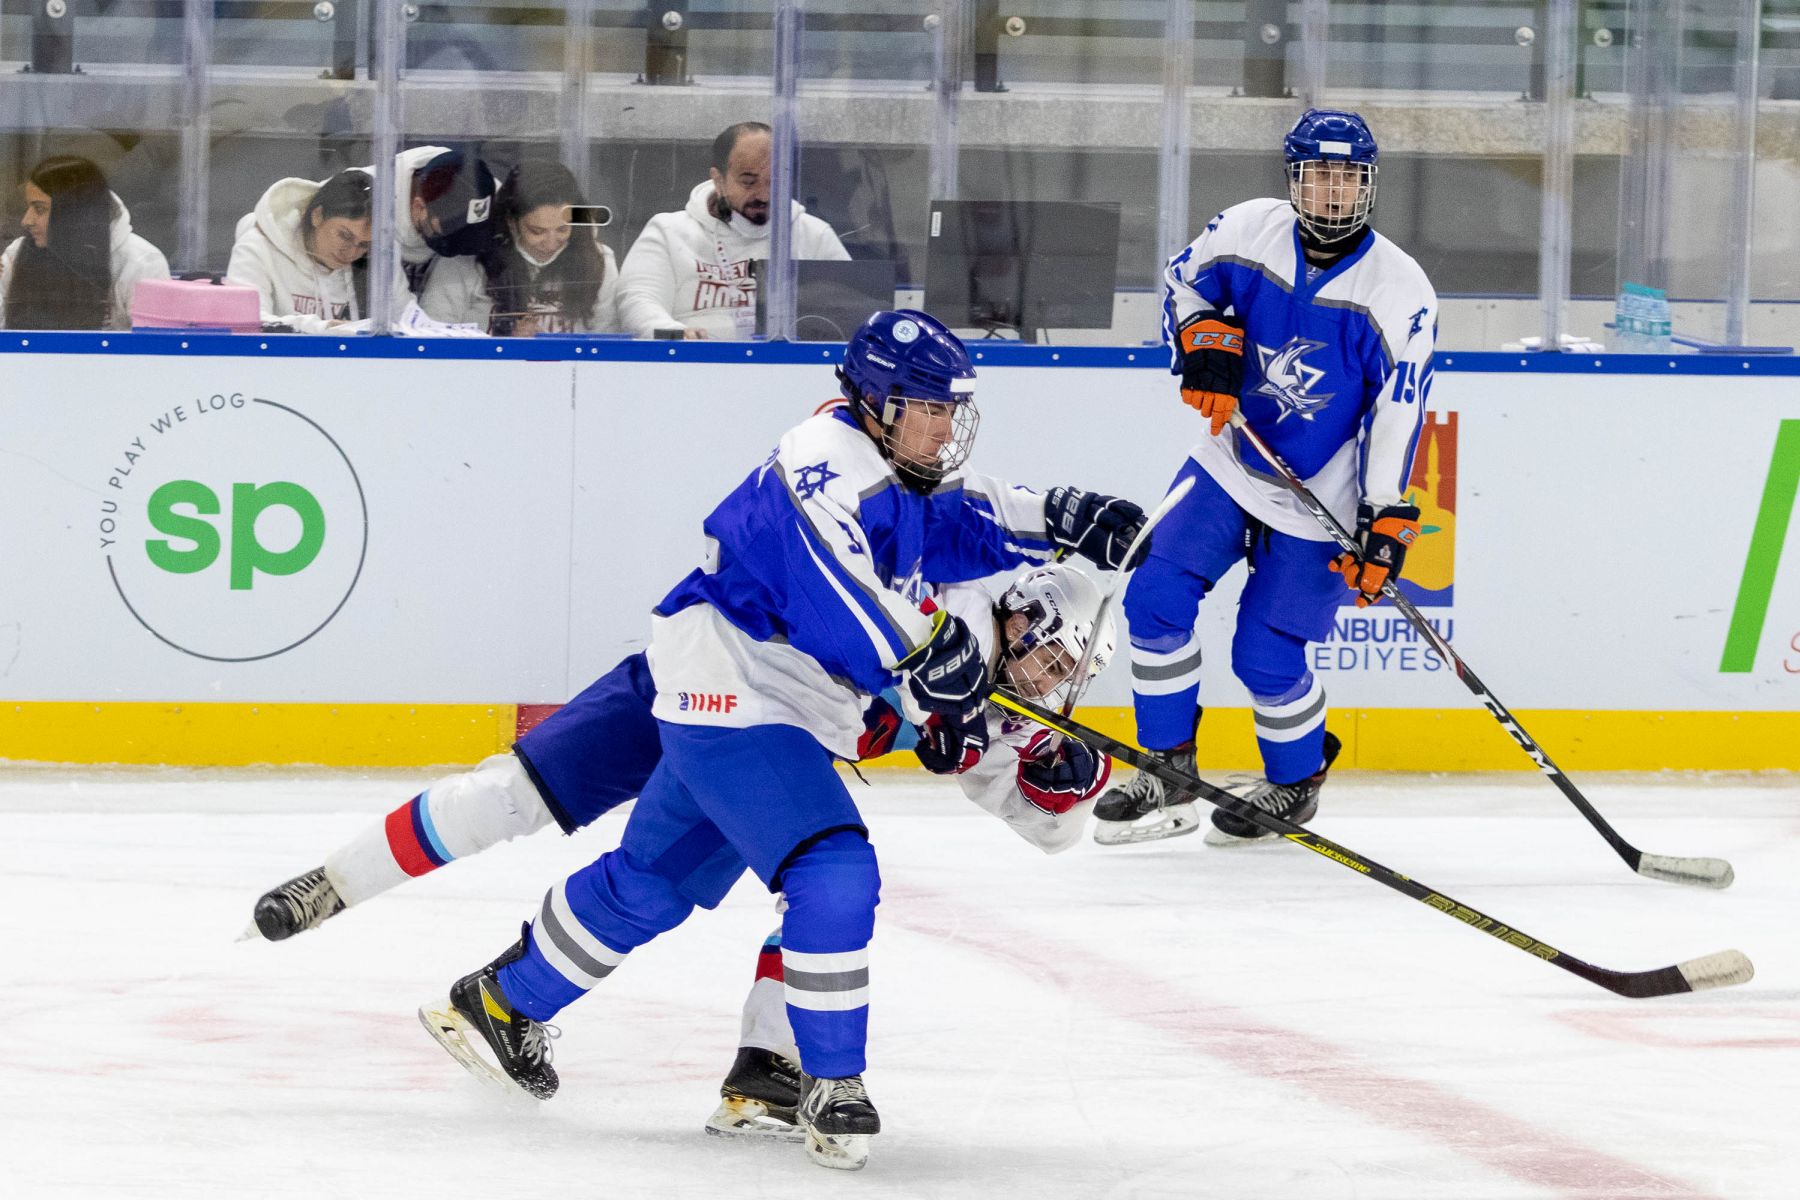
(1290, 380)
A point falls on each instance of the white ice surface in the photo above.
(1170, 1020)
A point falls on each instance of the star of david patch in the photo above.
(808, 480)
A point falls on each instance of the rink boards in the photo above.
(219, 558)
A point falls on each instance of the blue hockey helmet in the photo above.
(1331, 166)
(906, 362)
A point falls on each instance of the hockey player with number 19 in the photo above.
(1320, 331)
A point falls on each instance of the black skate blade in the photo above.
(458, 1038)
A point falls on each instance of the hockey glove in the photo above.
(1058, 779)
(881, 725)
(947, 674)
(950, 744)
(1384, 537)
(1212, 367)
(1099, 528)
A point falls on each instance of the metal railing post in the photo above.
(1556, 224)
(388, 53)
(196, 136)
(780, 277)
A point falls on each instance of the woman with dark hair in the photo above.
(303, 250)
(78, 262)
(544, 275)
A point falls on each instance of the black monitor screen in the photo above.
(832, 298)
(1022, 264)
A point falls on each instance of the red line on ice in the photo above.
(1325, 1071)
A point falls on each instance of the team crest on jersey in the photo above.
(1290, 379)
(810, 480)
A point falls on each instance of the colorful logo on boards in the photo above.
(1768, 538)
(1429, 578)
(232, 527)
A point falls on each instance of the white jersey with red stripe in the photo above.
(993, 782)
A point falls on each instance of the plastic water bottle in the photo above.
(1641, 320)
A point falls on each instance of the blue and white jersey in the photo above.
(1337, 363)
(813, 574)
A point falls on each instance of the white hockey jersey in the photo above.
(812, 574)
(1337, 363)
(132, 257)
(690, 270)
(993, 783)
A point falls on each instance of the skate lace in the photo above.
(1270, 797)
(307, 894)
(1144, 786)
(534, 1043)
(850, 1089)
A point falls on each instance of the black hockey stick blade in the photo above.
(1724, 969)
(1699, 872)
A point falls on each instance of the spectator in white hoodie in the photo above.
(78, 262)
(689, 271)
(444, 209)
(301, 247)
(543, 275)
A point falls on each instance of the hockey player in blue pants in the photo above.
(1320, 331)
(808, 603)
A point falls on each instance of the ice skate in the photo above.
(1296, 802)
(303, 902)
(759, 1099)
(1146, 809)
(838, 1120)
(479, 1013)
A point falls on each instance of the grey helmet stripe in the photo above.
(569, 946)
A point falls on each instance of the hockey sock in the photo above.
(832, 889)
(765, 1024)
(1286, 699)
(585, 927)
(1290, 730)
(453, 818)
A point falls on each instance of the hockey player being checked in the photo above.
(597, 751)
(1038, 632)
(1320, 331)
(809, 602)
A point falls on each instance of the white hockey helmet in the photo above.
(1060, 605)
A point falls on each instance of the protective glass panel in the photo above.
(1046, 227)
(662, 88)
(1693, 85)
(94, 109)
(283, 105)
(855, 88)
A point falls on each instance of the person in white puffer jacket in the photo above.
(78, 262)
(689, 271)
(299, 250)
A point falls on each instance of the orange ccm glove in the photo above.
(1385, 537)
(1212, 367)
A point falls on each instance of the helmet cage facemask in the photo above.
(1039, 664)
(919, 465)
(1311, 195)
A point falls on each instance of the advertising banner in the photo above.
(471, 533)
